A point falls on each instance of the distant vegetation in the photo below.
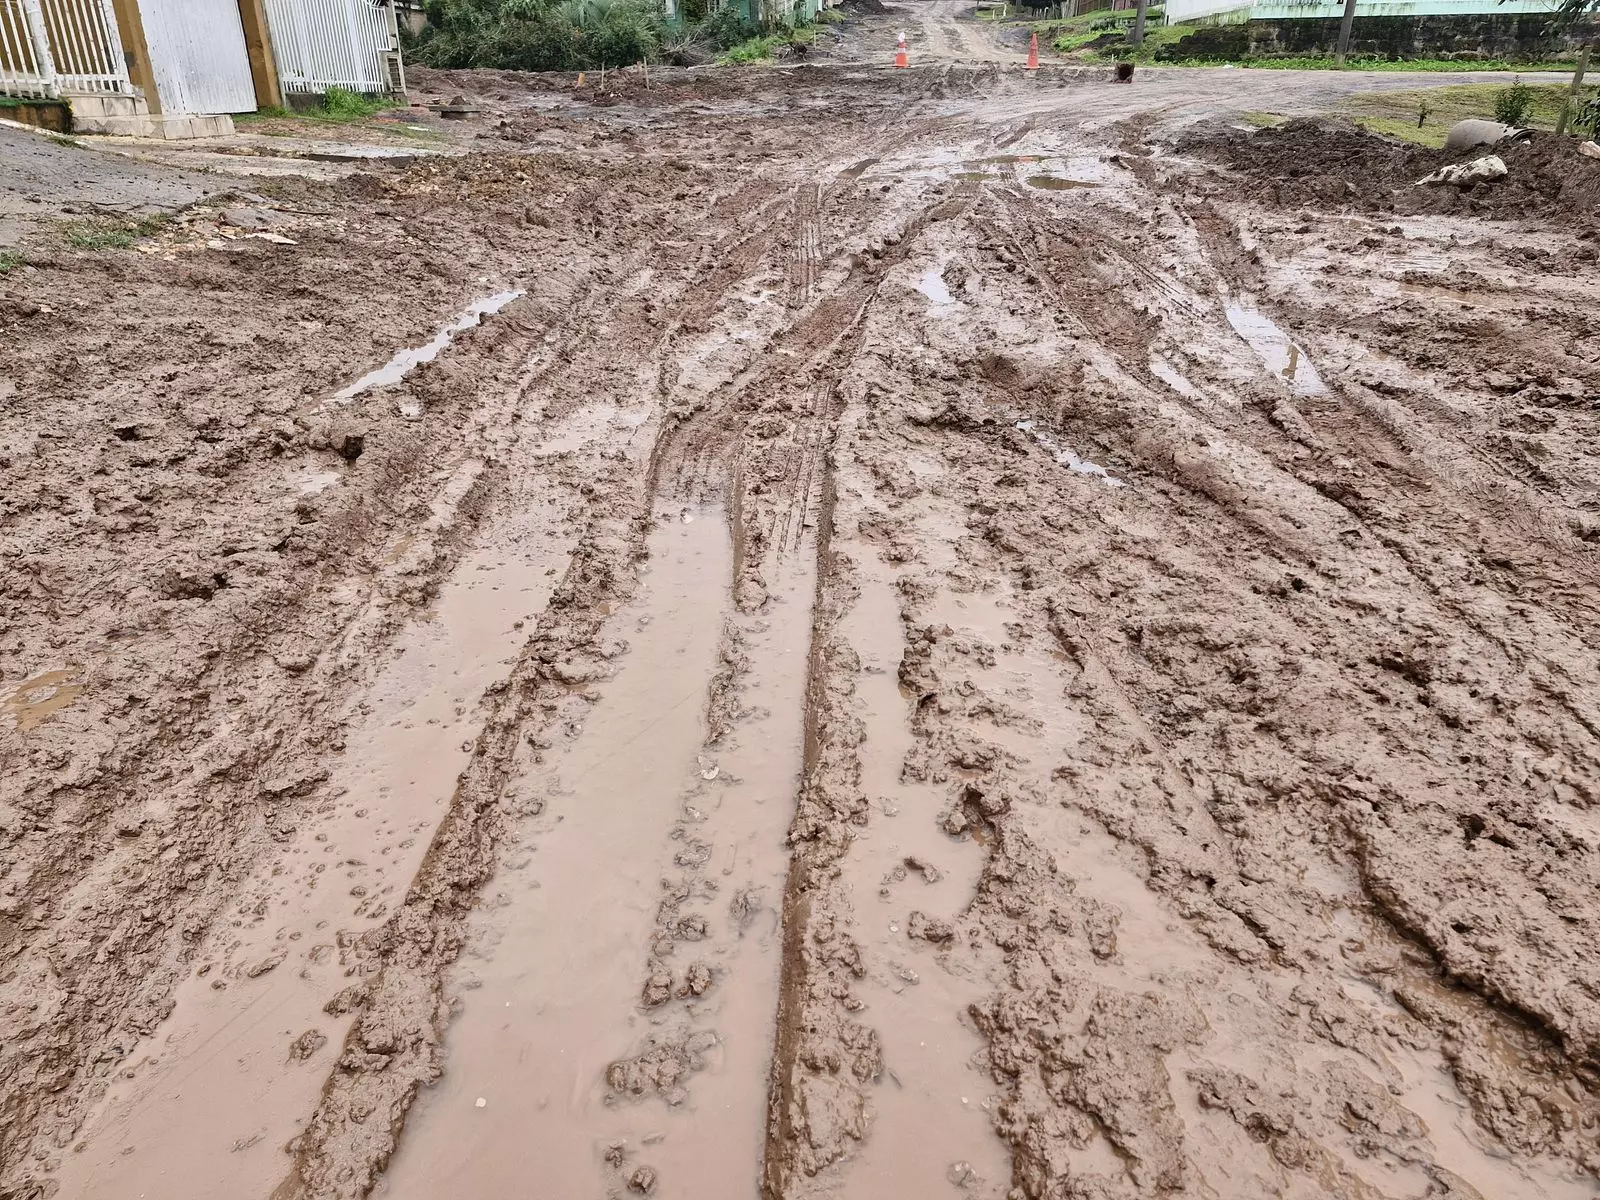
(571, 35)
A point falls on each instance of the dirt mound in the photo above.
(1332, 162)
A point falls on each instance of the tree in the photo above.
(1346, 24)
(1138, 23)
(1570, 13)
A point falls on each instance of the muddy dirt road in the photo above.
(922, 633)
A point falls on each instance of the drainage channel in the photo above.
(617, 992)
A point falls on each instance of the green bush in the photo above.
(724, 29)
(341, 104)
(539, 35)
(1587, 118)
(756, 49)
(1511, 104)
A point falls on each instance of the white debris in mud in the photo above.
(1066, 457)
(403, 363)
(1490, 166)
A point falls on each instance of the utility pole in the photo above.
(1138, 23)
(1572, 94)
(1346, 24)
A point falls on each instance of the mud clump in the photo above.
(1331, 163)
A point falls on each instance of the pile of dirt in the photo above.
(1323, 162)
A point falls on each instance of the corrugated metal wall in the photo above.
(198, 56)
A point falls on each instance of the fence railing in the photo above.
(50, 48)
(332, 43)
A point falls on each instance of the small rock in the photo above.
(480, 1102)
(657, 989)
(261, 967)
(928, 928)
(698, 980)
(961, 1174)
(307, 1044)
(643, 1180)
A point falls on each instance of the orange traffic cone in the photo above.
(1033, 53)
(900, 59)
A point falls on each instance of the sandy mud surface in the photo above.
(812, 632)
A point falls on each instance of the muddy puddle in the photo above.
(35, 699)
(204, 1107)
(1173, 378)
(406, 361)
(1058, 183)
(639, 814)
(1068, 457)
(915, 996)
(1278, 352)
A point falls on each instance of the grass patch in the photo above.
(1156, 37)
(62, 140)
(831, 16)
(761, 49)
(1263, 120)
(341, 104)
(10, 260)
(1326, 63)
(1424, 116)
(267, 112)
(111, 234)
(339, 107)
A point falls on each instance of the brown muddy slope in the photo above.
(942, 646)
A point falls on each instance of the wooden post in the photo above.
(1572, 92)
(136, 52)
(1346, 24)
(1138, 23)
(263, 63)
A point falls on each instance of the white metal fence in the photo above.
(320, 44)
(51, 48)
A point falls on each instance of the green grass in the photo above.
(10, 260)
(761, 49)
(1325, 63)
(70, 143)
(1396, 113)
(267, 112)
(1155, 37)
(340, 106)
(109, 234)
(831, 16)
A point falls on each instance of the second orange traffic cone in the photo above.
(900, 59)
(1033, 53)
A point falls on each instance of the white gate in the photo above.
(197, 56)
(319, 44)
(51, 48)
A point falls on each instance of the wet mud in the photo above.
(994, 643)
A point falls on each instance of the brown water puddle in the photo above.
(1058, 183)
(32, 700)
(205, 1106)
(551, 982)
